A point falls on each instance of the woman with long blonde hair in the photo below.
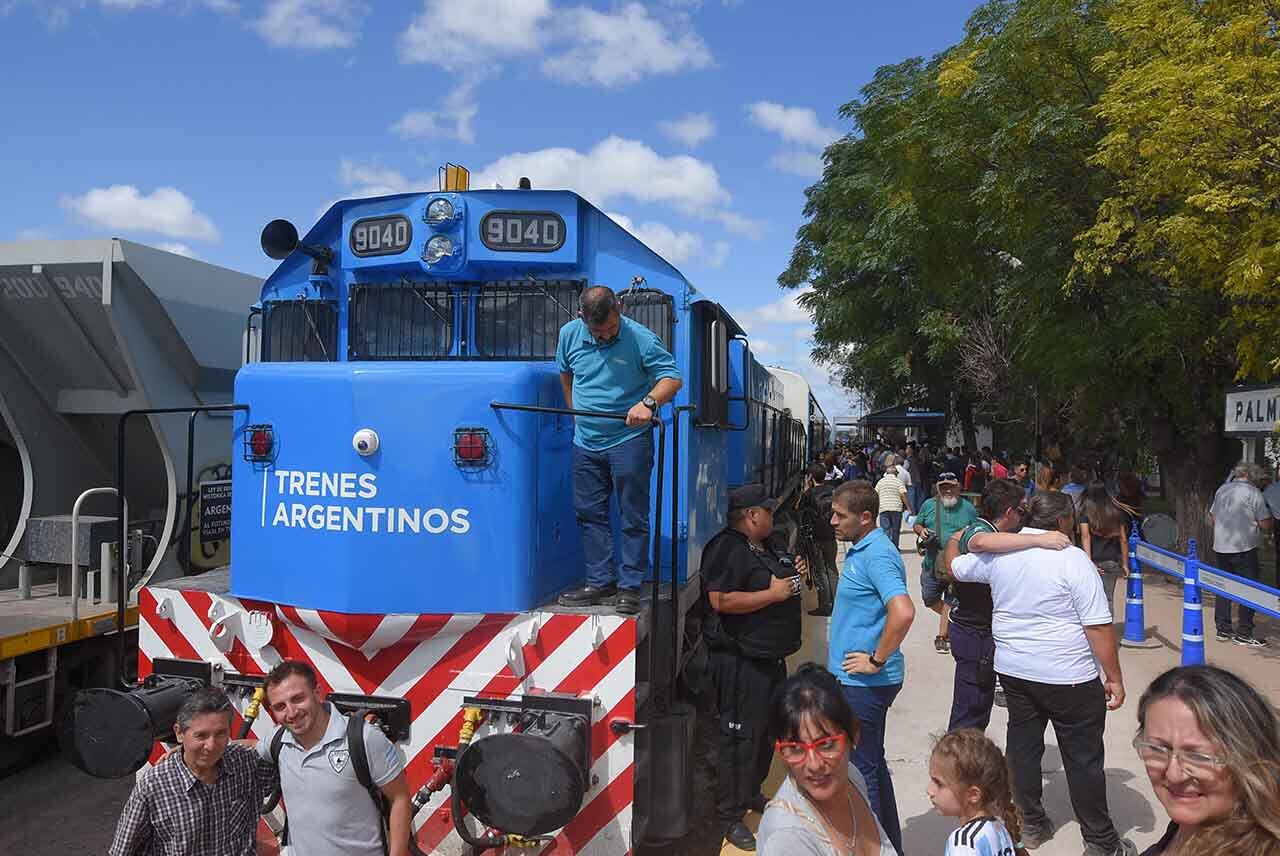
(1211, 745)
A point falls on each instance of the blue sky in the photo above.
(189, 124)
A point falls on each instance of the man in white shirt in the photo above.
(1239, 515)
(1052, 628)
(1271, 495)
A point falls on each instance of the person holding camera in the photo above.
(941, 517)
(753, 624)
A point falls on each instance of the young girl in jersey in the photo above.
(969, 779)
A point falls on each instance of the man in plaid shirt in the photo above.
(202, 801)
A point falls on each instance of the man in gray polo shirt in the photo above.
(1239, 514)
(330, 812)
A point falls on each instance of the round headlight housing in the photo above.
(438, 248)
(439, 211)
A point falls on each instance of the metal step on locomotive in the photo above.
(402, 518)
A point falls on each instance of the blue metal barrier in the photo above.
(1196, 576)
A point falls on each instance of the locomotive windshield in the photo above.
(511, 320)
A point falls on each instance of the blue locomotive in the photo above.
(420, 312)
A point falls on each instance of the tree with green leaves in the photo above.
(993, 229)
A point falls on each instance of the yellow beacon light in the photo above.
(455, 178)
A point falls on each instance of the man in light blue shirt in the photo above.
(611, 364)
(872, 615)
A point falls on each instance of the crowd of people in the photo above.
(1023, 585)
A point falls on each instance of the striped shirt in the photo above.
(890, 489)
(982, 836)
(172, 813)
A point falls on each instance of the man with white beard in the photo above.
(941, 517)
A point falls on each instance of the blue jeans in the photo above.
(871, 706)
(891, 523)
(621, 471)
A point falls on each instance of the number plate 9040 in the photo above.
(381, 236)
(522, 231)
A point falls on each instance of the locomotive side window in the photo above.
(521, 320)
(300, 331)
(714, 407)
(412, 321)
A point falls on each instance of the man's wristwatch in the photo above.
(879, 664)
(650, 402)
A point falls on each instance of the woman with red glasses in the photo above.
(821, 809)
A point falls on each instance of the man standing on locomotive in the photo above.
(752, 625)
(611, 364)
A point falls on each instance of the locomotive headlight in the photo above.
(438, 248)
(439, 211)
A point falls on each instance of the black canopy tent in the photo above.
(916, 415)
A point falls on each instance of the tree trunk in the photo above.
(964, 412)
(1193, 465)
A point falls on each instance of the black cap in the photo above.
(751, 496)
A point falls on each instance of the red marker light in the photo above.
(471, 446)
(261, 443)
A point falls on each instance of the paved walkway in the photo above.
(924, 704)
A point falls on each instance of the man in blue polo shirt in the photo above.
(872, 615)
(612, 364)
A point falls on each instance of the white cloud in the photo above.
(763, 346)
(793, 124)
(675, 247)
(178, 249)
(452, 120)
(581, 44)
(453, 35)
(719, 254)
(166, 210)
(614, 48)
(740, 225)
(311, 24)
(784, 310)
(56, 14)
(33, 235)
(692, 130)
(614, 168)
(363, 179)
(796, 162)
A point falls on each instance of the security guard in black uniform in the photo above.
(753, 623)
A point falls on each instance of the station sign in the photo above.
(1252, 411)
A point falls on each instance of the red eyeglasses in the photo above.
(828, 748)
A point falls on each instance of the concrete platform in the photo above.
(924, 705)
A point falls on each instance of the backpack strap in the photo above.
(277, 741)
(359, 755)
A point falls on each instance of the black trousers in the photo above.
(1078, 713)
(1243, 565)
(743, 690)
(974, 690)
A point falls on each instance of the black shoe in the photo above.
(739, 836)
(627, 602)
(758, 803)
(1034, 835)
(587, 596)
(1224, 636)
(1248, 640)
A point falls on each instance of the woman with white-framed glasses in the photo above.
(1211, 746)
(821, 809)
